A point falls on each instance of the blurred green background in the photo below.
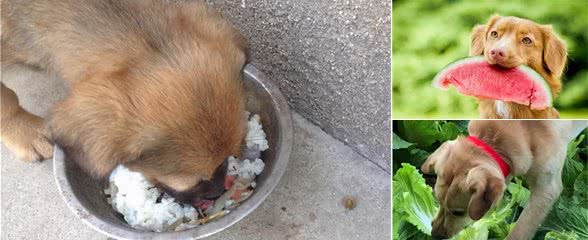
(429, 34)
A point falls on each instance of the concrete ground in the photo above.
(306, 204)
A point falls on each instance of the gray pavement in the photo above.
(305, 205)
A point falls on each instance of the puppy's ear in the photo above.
(93, 131)
(486, 188)
(478, 37)
(98, 152)
(441, 153)
(554, 52)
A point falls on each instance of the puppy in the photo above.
(155, 87)
(470, 180)
(509, 42)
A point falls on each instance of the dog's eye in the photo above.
(493, 34)
(457, 212)
(527, 40)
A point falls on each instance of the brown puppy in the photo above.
(510, 42)
(153, 86)
(470, 182)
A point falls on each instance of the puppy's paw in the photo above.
(28, 138)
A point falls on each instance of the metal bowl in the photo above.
(84, 195)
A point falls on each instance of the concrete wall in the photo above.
(330, 58)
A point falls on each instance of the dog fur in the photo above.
(154, 86)
(546, 54)
(470, 182)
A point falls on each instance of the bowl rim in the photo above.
(284, 145)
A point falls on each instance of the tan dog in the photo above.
(153, 86)
(510, 42)
(470, 182)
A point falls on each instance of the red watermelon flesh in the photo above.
(474, 76)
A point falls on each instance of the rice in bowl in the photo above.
(145, 207)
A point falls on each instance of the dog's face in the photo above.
(176, 123)
(512, 41)
(467, 185)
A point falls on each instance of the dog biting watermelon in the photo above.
(474, 76)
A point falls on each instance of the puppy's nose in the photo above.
(498, 54)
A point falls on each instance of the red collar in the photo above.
(488, 149)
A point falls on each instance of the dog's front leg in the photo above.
(22, 132)
(545, 190)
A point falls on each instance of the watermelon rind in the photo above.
(437, 79)
(534, 75)
(537, 78)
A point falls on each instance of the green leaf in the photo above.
(449, 131)
(572, 167)
(399, 143)
(414, 156)
(408, 231)
(519, 194)
(554, 235)
(567, 216)
(423, 133)
(495, 221)
(476, 231)
(581, 189)
(462, 125)
(414, 198)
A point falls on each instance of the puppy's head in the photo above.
(176, 122)
(512, 41)
(468, 185)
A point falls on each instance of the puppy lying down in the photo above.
(472, 172)
(147, 208)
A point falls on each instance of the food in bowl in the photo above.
(145, 207)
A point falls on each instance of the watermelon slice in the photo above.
(474, 76)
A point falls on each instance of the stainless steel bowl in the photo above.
(86, 199)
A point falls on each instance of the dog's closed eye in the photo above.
(458, 212)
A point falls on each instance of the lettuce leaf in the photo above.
(424, 133)
(566, 216)
(572, 166)
(399, 143)
(495, 222)
(554, 235)
(580, 195)
(408, 231)
(413, 199)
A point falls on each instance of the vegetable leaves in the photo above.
(413, 199)
(414, 204)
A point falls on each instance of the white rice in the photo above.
(135, 198)
(255, 134)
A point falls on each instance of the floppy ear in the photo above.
(486, 190)
(97, 153)
(554, 52)
(441, 153)
(478, 37)
(95, 133)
